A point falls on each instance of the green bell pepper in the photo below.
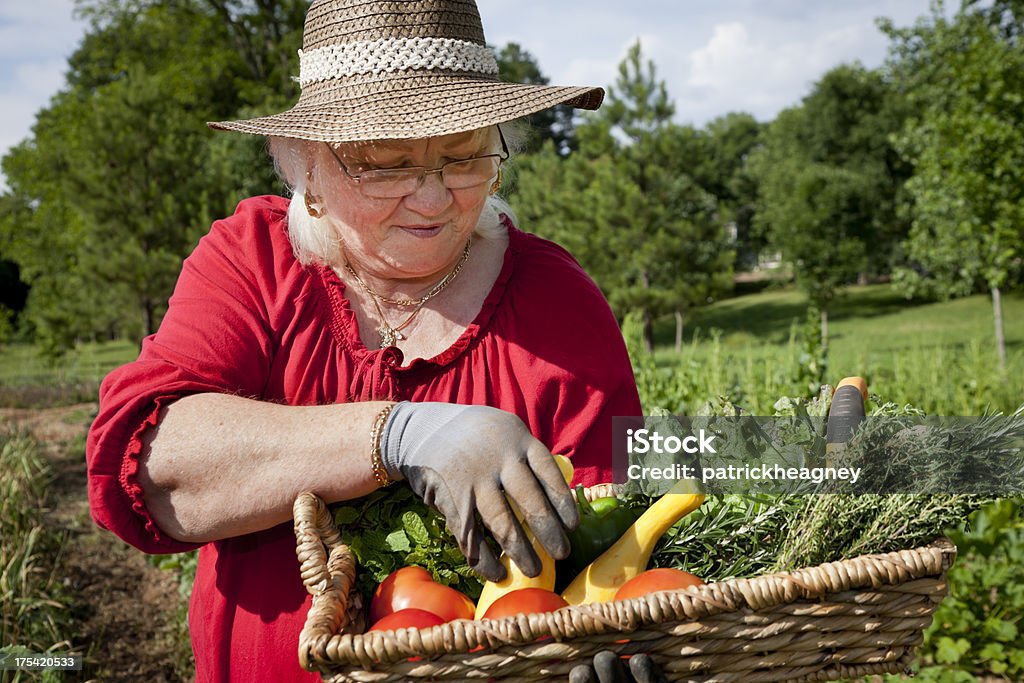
(602, 522)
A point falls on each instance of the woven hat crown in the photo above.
(342, 21)
(371, 69)
(352, 42)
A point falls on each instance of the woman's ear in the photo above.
(313, 206)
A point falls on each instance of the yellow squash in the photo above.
(515, 579)
(630, 554)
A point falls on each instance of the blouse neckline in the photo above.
(345, 326)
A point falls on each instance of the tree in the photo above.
(625, 206)
(722, 169)
(638, 105)
(121, 175)
(1004, 16)
(967, 145)
(830, 183)
(516, 65)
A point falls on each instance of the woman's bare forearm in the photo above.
(218, 465)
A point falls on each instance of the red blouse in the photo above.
(246, 318)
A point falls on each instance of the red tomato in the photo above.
(525, 601)
(414, 587)
(410, 617)
(652, 580)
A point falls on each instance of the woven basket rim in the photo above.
(379, 649)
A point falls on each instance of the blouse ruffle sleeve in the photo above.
(215, 337)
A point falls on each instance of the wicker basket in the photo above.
(838, 620)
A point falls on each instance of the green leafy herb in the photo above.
(978, 630)
(393, 528)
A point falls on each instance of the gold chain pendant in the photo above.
(388, 335)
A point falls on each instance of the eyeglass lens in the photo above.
(456, 175)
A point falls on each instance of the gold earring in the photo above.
(496, 185)
(312, 207)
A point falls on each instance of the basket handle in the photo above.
(328, 571)
(316, 535)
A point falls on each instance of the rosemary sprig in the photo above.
(729, 536)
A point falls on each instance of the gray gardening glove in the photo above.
(608, 668)
(464, 461)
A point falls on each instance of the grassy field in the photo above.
(27, 380)
(938, 356)
(751, 349)
(34, 611)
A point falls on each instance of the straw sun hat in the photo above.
(375, 70)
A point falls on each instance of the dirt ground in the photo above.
(127, 611)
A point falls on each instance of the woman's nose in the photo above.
(431, 197)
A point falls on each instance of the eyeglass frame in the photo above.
(423, 171)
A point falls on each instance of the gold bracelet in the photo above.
(380, 474)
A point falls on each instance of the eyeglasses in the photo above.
(392, 183)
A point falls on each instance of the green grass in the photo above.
(34, 615)
(28, 380)
(938, 356)
(875, 313)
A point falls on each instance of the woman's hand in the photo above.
(608, 668)
(469, 462)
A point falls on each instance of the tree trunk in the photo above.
(997, 311)
(824, 327)
(648, 320)
(648, 332)
(679, 332)
(149, 311)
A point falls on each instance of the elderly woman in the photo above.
(388, 322)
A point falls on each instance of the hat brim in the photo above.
(434, 106)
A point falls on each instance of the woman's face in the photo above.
(420, 235)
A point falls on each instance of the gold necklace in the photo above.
(434, 291)
(390, 334)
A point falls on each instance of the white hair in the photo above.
(300, 163)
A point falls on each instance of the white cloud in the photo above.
(758, 56)
(763, 68)
(586, 71)
(604, 71)
(727, 52)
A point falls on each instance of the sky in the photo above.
(757, 56)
